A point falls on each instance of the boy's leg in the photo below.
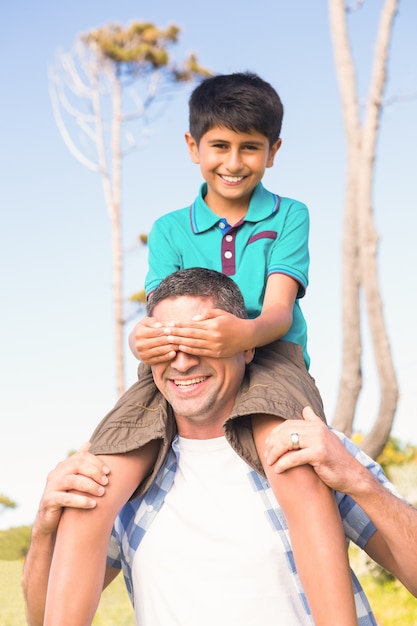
(276, 383)
(79, 560)
(317, 536)
(278, 387)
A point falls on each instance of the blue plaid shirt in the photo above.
(138, 514)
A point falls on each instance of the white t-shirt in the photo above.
(210, 557)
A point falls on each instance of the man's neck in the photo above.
(198, 431)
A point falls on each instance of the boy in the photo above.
(260, 240)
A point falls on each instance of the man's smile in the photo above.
(188, 382)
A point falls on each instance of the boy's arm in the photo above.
(83, 472)
(276, 316)
(78, 567)
(221, 334)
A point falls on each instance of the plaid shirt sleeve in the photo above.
(358, 527)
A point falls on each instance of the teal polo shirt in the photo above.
(271, 238)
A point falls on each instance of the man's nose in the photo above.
(183, 361)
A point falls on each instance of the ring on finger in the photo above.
(295, 441)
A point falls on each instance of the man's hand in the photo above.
(319, 447)
(71, 484)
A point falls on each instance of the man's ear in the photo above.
(249, 354)
(192, 147)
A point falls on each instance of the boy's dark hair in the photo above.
(242, 102)
(202, 283)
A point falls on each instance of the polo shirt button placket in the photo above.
(228, 254)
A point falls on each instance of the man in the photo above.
(208, 541)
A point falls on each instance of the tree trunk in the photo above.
(360, 238)
(117, 236)
(112, 194)
(375, 440)
(351, 378)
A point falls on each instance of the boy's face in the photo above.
(232, 163)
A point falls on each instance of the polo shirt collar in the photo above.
(262, 204)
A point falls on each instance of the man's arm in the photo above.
(82, 472)
(394, 544)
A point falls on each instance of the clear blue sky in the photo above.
(57, 357)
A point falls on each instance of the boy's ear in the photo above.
(192, 147)
(272, 152)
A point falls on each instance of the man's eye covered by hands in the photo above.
(213, 333)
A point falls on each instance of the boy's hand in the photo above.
(149, 342)
(214, 333)
(82, 472)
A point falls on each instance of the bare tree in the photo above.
(360, 238)
(108, 82)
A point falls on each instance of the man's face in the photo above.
(201, 390)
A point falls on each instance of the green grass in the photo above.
(12, 610)
(392, 604)
(114, 609)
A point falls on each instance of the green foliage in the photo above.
(141, 47)
(139, 297)
(397, 453)
(6, 502)
(14, 543)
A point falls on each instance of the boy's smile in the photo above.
(232, 164)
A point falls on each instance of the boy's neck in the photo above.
(232, 211)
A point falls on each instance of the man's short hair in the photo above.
(242, 102)
(202, 283)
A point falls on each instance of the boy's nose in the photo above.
(234, 161)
